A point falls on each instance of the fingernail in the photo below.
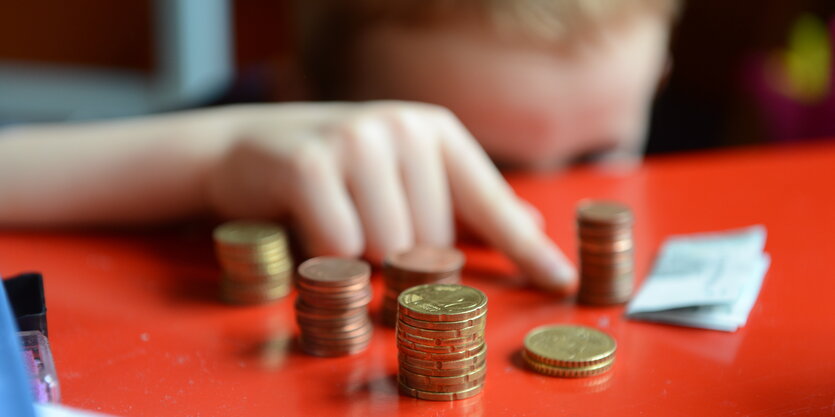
(553, 272)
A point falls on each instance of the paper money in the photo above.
(708, 280)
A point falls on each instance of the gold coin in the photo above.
(248, 232)
(439, 396)
(568, 371)
(445, 364)
(443, 372)
(442, 302)
(569, 346)
(442, 325)
(441, 335)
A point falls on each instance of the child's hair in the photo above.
(328, 29)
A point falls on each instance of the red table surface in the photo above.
(136, 330)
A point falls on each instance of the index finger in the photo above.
(487, 204)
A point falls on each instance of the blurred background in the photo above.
(745, 71)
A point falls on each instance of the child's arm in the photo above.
(357, 178)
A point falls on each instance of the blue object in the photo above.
(15, 394)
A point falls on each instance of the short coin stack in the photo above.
(332, 307)
(442, 355)
(569, 351)
(256, 261)
(606, 255)
(417, 266)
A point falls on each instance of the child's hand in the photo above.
(375, 178)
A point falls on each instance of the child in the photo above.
(533, 83)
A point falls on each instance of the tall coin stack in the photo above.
(442, 355)
(256, 260)
(569, 351)
(606, 252)
(417, 266)
(332, 307)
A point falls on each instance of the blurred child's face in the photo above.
(528, 103)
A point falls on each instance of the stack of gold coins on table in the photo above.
(569, 351)
(256, 260)
(442, 355)
(332, 307)
(417, 266)
(606, 255)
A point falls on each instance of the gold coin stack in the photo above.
(332, 307)
(256, 260)
(442, 355)
(417, 266)
(606, 252)
(569, 351)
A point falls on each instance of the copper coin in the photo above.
(623, 282)
(337, 299)
(348, 332)
(334, 271)
(314, 312)
(435, 396)
(443, 335)
(426, 259)
(600, 212)
(605, 247)
(604, 233)
(607, 270)
(320, 289)
(334, 320)
(606, 258)
(331, 326)
(355, 315)
(360, 300)
(337, 339)
(444, 325)
(603, 300)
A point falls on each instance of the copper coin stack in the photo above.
(442, 355)
(417, 266)
(606, 252)
(332, 307)
(256, 260)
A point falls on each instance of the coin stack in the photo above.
(569, 351)
(256, 261)
(442, 355)
(332, 307)
(606, 255)
(417, 266)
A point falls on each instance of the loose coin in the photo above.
(569, 372)
(569, 346)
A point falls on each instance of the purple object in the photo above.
(38, 362)
(787, 118)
